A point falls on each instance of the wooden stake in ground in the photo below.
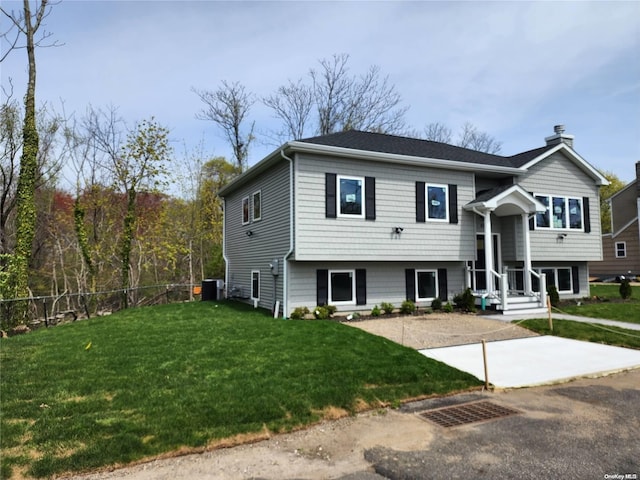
(486, 369)
(549, 312)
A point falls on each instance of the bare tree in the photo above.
(292, 104)
(345, 102)
(471, 137)
(229, 107)
(437, 132)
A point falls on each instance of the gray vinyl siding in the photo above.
(320, 238)
(557, 175)
(385, 281)
(269, 239)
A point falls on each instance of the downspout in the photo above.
(285, 261)
(224, 246)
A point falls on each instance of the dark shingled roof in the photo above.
(383, 143)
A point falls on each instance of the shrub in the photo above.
(552, 291)
(332, 309)
(299, 313)
(625, 288)
(375, 311)
(408, 307)
(387, 307)
(436, 304)
(465, 301)
(447, 308)
(321, 313)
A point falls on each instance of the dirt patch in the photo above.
(441, 329)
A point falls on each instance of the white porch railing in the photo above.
(508, 283)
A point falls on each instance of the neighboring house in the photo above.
(354, 219)
(621, 247)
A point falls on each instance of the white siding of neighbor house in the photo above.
(270, 237)
(558, 175)
(385, 281)
(323, 239)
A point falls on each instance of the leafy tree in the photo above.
(606, 192)
(140, 166)
(26, 24)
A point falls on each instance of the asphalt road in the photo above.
(587, 429)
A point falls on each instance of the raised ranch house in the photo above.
(621, 247)
(354, 219)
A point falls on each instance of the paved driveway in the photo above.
(526, 362)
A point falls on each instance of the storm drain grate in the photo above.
(467, 413)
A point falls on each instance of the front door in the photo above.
(479, 266)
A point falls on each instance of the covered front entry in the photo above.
(491, 283)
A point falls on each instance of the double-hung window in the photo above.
(621, 249)
(350, 196)
(257, 206)
(562, 213)
(437, 201)
(560, 277)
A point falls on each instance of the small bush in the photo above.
(554, 296)
(465, 301)
(299, 313)
(447, 308)
(332, 309)
(375, 311)
(321, 313)
(387, 307)
(408, 307)
(436, 304)
(625, 288)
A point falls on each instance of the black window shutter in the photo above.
(361, 286)
(420, 202)
(586, 214)
(532, 220)
(575, 276)
(453, 204)
(322, 287)
(442, 284)
(330, 195)
(410, 280)
(370, 198)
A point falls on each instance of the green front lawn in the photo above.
(605, 302)
(186, 376)
(585, 331)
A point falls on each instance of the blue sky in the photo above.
(514, 69)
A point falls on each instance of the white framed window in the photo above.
(245, 210)
(350, 196)
(342, 287)
(561, 277)
(562, 213)
(621, 249)
(255, 284)
(426, 284)
(257, 205)
(437, 202)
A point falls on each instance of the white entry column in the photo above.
(488, 251)
(527, 253)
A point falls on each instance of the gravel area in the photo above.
(441, 329)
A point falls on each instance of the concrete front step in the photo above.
(524, 311)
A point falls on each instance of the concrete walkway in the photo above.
(564, 316)
(532, 361)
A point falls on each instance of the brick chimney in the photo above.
(559, 137)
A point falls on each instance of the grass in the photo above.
(190, 376)
(585, 331)
(608, 305)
